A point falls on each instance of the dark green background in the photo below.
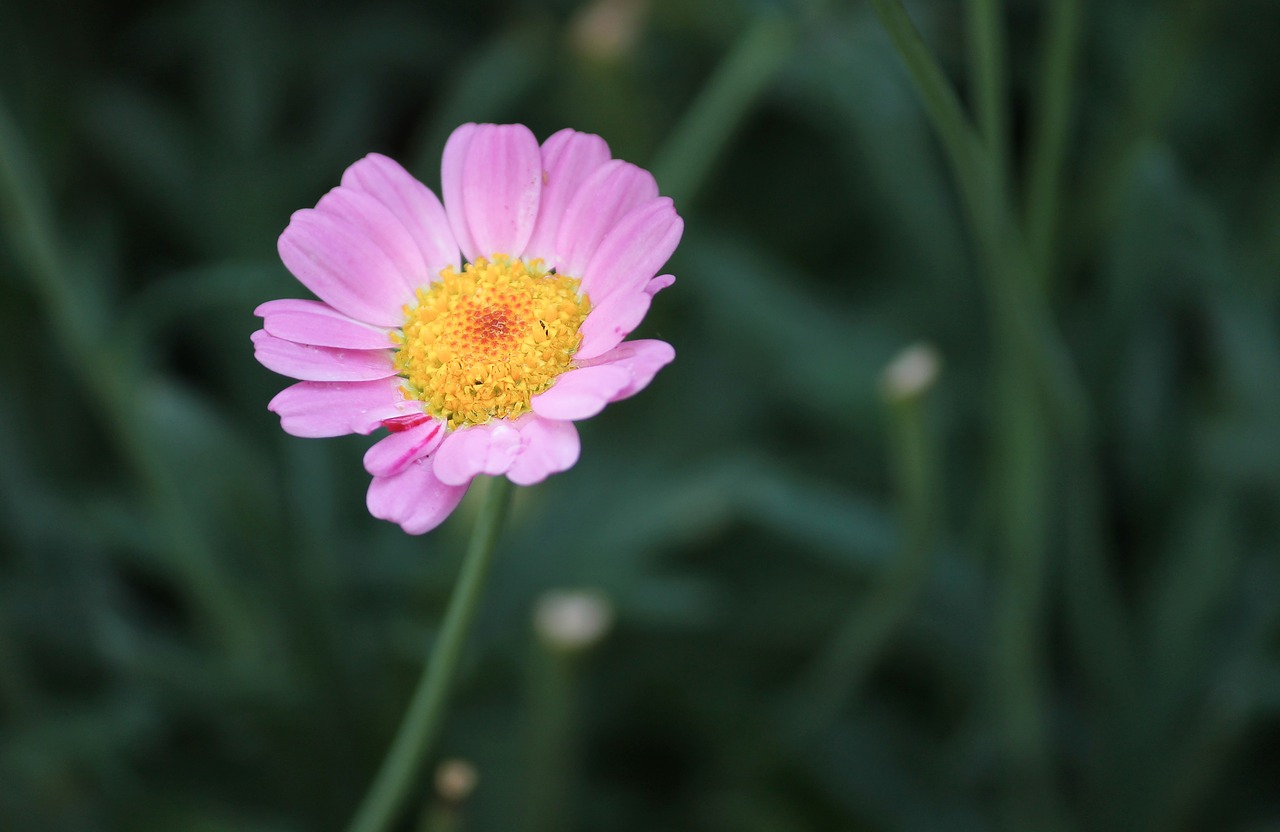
(1038, 613)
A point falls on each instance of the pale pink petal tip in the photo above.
(414, 498)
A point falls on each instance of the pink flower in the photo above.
(478, 331)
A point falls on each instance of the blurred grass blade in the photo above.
(684, 162)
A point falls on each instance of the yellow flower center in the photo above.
(481, 343)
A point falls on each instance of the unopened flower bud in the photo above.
(912, 373)
(574, 620)
(455, 780)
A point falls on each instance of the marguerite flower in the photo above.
(478, 331)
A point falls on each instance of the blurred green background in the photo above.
(1042, 594)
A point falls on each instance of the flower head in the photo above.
(476, 331)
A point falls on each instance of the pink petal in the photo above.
(308, 363)
(631, 254)
(568, 158)
(659, 283)
(451, 166)
(501, 185)
(344, 267)
(312, 322)
(375, 222)
(480, 449)
(611, 321)
(547, 447)
(414, 498)
(616, 318)
(581, 394)
(412, 203)
(315, 409)
(394, 452)
(612, 191)
(642, 359)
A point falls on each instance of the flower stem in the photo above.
(1049, 134)
(421, 723)
(839, 672)
(986, 62)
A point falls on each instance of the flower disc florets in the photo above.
(481, 343)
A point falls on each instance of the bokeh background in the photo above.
(1037, 592)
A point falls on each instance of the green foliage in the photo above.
(1044, 594)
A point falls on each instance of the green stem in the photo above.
(550, 778)
(1030, 359)
(1049, 134)
(1022, 318)
(422, 721)
(840, 671)
(698, 140)
(986, 69)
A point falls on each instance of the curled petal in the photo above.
(414, 498)
(412, 203)
(316, 323)
(394, 452)
(310, 363)
(317, 409)
(659, 283)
